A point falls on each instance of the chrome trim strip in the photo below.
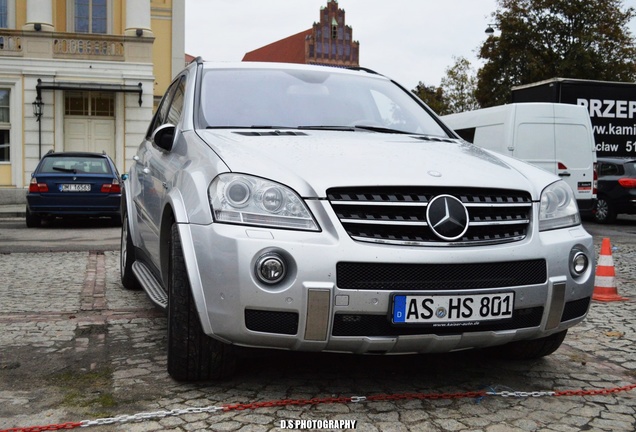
(383, 222)
(438, 244)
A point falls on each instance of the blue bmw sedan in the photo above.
(73, 184)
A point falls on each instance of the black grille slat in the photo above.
(271, 321)
(379, 325)
(398, 276)
(398, 214)
(575, 309)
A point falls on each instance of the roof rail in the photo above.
(363, 69)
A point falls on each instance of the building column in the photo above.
(39, 15)
(138, 18)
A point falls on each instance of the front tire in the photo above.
(530, 349)
(192, 355)
(127, 258)
(605, 213)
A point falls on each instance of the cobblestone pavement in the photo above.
(74, 345)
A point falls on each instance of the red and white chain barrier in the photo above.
(316, 401)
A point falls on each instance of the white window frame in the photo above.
(70, 17)
(10, 14)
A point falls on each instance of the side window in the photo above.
(161, 116)
(176, 107)
(608, 169)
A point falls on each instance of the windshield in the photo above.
(250, 98)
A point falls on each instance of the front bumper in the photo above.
(310, 310)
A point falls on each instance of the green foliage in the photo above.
(459, 86)
(543, 39)
(433, 97)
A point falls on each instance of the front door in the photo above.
(89, 122)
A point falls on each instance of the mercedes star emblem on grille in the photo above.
(447, 217)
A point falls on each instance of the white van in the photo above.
(553, 136)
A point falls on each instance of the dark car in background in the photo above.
(616, 188)
(73, 184)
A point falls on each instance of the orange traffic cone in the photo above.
(605, 282)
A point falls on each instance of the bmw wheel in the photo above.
(192, 355)
(32, 220)
(605, 212)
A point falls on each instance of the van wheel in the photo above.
(192, 355)
(605, 212)
(127, 258)
(530, 349)
(32, 220)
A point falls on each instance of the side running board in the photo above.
(150, 285)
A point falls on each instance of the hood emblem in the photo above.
(434, 173)
(447, 217)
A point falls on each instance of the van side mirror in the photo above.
(163, 136)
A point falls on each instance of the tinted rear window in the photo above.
(78, 164)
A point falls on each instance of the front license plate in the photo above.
(452, 309)
(75, 188)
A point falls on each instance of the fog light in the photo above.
(579, 263)
(271, 268)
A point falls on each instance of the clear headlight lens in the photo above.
(248, 200)
(558, 207)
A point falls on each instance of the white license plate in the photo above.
(75, 188)
(447, 309)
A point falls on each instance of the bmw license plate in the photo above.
(447, 310)
(75, 188)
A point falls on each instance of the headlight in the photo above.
(558, 207)
(247, 200)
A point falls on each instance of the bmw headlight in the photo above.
(248, 200)
(558, 207)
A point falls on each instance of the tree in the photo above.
(433, 97)
(543, 39)
(459, 87)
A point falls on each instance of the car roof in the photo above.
(210, 65)
(76, 154)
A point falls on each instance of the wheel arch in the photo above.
(175, 212)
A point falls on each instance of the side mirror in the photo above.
(163, 136)
(124, 177)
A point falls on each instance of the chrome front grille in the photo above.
(397, 215)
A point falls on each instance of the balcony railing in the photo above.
(77, 46)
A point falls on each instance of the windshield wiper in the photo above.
(68, 170)
(381, 129)
(331, 128)
(248, 127)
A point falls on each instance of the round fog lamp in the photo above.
(270, 268)
(579, 263)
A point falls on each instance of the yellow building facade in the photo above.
(81, 75)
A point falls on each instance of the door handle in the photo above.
(564, 174)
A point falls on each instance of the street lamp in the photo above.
(490, 30)
(37, 112)
(37, 108)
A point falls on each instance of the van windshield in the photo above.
(279, 98)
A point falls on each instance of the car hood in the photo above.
(310, 162)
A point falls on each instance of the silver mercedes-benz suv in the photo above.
(324, 209)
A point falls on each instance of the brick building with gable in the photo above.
(328, 42)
